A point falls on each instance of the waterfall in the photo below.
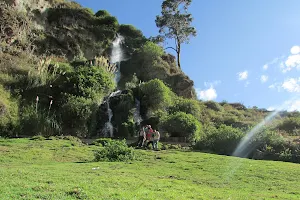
(117, 56)
(108, 130)
(137, 116)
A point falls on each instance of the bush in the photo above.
(222, 140)
(115, 151)
(9, 117)
(102, 13)
(213, 105)
(108, 21)
(156, 94)
(289, 124)
(103, 142)
(88, 82)
(38, 123)
(128, 30)
(134, 38)
(76, 115)
(152, 50)
(188, 106)
(182, 125)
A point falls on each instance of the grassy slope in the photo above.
(58, 170)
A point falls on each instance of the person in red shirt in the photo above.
(149, 135)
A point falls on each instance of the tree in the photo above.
(175, 23)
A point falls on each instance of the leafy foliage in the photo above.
(289, 124)
(182, 125)
(188, 106)
(88, 82)
(156, 94)
(9, 118)
(115, 151)
(221, 140)
(39, 122)
(76, 115)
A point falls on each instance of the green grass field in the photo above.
(63, 169)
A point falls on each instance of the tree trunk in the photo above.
(178, 56)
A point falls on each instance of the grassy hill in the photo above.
(63, 169)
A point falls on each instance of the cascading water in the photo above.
(137, 116)
(117, 56)
(108, 130)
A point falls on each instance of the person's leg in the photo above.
(154, 144)
(143, 142)
(139, 141)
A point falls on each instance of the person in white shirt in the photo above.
(156, 139)
(142, 137)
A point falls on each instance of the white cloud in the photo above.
(243, 75)
(208, 94)
(290, 106)
(276, 86)
(291, 85)
(265, 67)
(295, 50)
(264, 78)
(271, 108)
(272, 86)
(294, 106)
(293, 61)
(212, 84)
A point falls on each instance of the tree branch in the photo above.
(172, 48)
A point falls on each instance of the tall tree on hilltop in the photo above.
(175, 23)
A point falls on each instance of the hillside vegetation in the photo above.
(55, 75)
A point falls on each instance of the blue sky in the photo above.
(245, 51)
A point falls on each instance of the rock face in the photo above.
(159, 68)
(29, 5)
(182, 85)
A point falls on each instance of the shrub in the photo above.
(269, 138)
(188, 106)
(9, 117)
(213, 105)
(134, 38)
(102, 142)
(152, 50)
(38, 123)
(156, 94)
(102, 13)
(128, 30)
(222, 140)
(115, 151)
(108, 21)
(182, 125)
(88, 82)
(289, 124)
(76, 115)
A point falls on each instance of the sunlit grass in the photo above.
(63, 169)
